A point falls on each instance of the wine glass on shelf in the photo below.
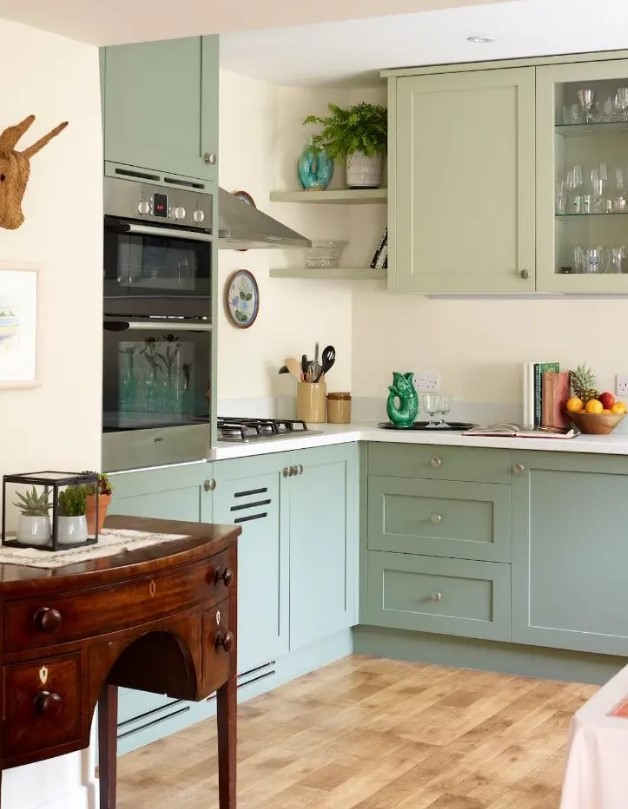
(432, 404)
(620, 103)
(586, 99)
(574, 189)
(618, 256)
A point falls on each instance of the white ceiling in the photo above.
(331, 41)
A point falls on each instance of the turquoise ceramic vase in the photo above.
(402, 404)
(315, 169)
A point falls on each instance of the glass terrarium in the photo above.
(47, 510)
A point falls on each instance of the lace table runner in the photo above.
(109, 543)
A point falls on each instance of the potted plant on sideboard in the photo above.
(360, 134)
(34, 524)
(71, 520)
(103, 493)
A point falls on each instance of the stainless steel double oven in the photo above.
(157, 345)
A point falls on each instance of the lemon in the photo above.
(574, 404)
(618, 407)
(594, 406)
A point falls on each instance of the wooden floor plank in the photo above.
(371, 733)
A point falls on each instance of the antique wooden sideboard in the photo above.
(161, 619)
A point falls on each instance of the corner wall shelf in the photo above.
(341, 196)
(338, 274)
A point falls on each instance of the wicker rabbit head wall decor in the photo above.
(15, 169)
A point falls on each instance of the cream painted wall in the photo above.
(56, 425)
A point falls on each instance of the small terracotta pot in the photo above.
(90, 511)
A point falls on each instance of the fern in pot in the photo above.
(72, 523)
(360, 134)
(33, 527)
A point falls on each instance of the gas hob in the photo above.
(241, 430)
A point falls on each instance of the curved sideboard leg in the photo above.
(107, 745)
(227, 743)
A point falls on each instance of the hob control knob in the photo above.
(143, 207)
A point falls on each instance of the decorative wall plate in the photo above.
(242, 298)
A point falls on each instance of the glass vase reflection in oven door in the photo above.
(128, 380)
(171, 389)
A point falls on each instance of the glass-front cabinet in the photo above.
(582, 177)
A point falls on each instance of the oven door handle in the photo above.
(149, 325)
(168, 233)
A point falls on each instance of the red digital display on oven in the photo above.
(160, 205)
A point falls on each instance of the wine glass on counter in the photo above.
(432, 405)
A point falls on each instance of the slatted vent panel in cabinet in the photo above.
(250, 504)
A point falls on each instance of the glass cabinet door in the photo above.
(582, 177)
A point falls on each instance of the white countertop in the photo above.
(326, 434)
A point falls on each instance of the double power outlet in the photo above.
(621, 384)
(428, 381)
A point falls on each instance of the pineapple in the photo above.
(583, 383)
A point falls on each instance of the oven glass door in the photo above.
(154, 375)
(156, 271)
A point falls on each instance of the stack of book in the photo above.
(380, 256)
(545, 392)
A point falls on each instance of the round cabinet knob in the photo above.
(198, 216)
(518, 469)
(284, 471)
(436, 597)
(292, 470)
(210, 158)
(225, 641)
(299, 469)
(436, 519)
(47, 619)
(436, 462)
(209, 485)
(225, 576)
(179, 212)
(524, 274)
(143, 207)
(49, 703)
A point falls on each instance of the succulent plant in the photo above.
(104, 484)
(32, 503)
(72, 501)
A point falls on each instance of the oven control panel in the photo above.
(130, 199)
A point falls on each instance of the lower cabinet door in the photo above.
(449, 596)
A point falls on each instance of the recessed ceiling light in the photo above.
(480, 40)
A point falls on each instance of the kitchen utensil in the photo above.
(284, 370)
(328, 359)
(294, 368)
(304, 367)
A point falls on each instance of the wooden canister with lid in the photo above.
(338, 407)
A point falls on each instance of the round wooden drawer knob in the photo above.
(49, 703)
(225, 575)
(47, 619)
(225, 640)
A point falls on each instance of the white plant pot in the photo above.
(71, 530)
(363, 171)
(33, 530)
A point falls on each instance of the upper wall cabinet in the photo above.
(582, 177)
(461, 203)
(161, 106)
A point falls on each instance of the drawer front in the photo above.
(42, 705)
(219, 647)
(35, 623)
(449, 596)
(440, 462)
(440, 518)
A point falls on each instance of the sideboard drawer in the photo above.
(440, 462)
(35, 623)
(42, 705)
(450, 596)
(219, 647)
(451, 518)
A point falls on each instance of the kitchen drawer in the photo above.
(440, 462)
(449, 596)
(42, 705)
(440, 518)
(219, 646)
(36, 623)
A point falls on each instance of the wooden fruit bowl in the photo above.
(595, 423)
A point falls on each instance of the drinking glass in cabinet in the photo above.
(618, 259)
(587, 101)
(591, 260)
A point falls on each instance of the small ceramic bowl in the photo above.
(596, 423)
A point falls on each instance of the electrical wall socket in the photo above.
(427, 381)
(621, 384)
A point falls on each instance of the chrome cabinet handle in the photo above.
(299, 468)
(436, 519)
(209, 485)
(518, 469)
(436, 597)
(284, 471)
(209, 158)
(524, 274)
(436, 462)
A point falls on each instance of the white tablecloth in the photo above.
(596, 773)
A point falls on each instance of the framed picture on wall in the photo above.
(19, 320)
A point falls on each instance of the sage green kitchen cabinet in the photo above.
(161, 106)
(462, 176)
(182, 492)
(570, 551)
(592, 216)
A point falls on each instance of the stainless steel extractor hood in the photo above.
(241, 225)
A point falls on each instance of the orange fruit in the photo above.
(593, 406)
(606, 410)
(574, 404)
(618, 407)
